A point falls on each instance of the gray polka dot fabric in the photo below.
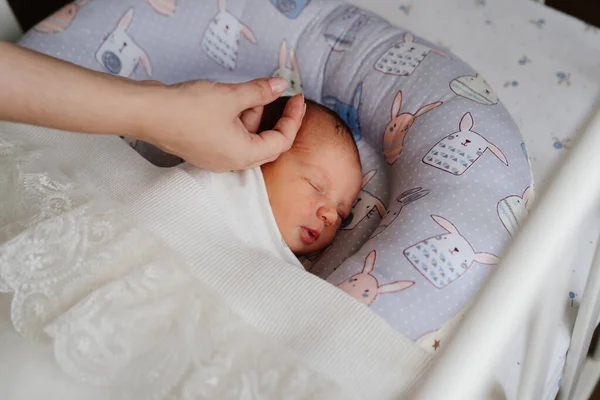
(446, 175)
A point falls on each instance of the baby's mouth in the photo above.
(309, 236)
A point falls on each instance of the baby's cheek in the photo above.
(328, 235)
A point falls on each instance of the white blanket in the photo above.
(241, 203)
(130, 274)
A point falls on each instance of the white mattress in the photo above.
(545, 66)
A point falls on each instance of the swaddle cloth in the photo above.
(243, 204)
(159, 283)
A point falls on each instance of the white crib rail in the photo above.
(545, 317)
(577, 361)
(464, 368)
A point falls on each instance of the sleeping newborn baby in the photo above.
(313, 186)
(294, 205)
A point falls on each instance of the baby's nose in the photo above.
(328, 215)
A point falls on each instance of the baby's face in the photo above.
(312, 187)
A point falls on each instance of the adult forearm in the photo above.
(208, 124)
(41, 90)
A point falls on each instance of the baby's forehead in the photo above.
(321, 114)
(322, 132)
(320, 146)
(329, 155)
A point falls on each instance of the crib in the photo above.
(522, 299)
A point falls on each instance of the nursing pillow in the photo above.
(446, 175)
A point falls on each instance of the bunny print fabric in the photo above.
(222, 39)
(443, 163)
(119, 54)
(446, 179)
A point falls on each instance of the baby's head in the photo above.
(313, 186)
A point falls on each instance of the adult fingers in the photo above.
(258, 92)
(151, 82)
(268, 160)
(251, 118)
(269, 144)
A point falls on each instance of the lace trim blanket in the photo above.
(124, 309)
(117, 316)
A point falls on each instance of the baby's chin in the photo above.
(301, 249)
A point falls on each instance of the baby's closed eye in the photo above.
(344, 212)
(315, 186)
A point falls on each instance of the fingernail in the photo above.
(303, 102)
(278, 85)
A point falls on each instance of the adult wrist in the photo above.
(148, 103)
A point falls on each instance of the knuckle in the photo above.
(288, 127)
(224, 88)
(287, 145)
(283, 124)
(261, 90)
(242, 163)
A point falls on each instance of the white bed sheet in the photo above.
(545, 67)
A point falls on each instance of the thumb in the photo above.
(258, 92)
(268, 145)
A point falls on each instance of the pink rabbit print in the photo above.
(164, 7)
(119, 54)
(444, 258)
(397, 129)
(364, 286)
(222, 38)
(403, 58)
(62, 19)
(458, 151)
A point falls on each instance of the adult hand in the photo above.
(214, 126)
(208, 124)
